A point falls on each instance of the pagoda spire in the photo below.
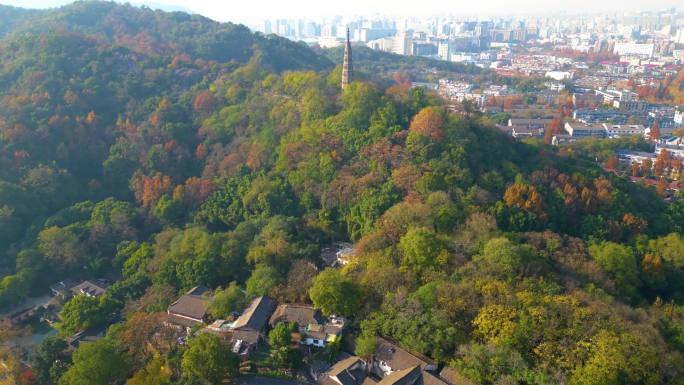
(347, 67)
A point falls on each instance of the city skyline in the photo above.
(259, 10)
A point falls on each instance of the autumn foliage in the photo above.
(428, 123)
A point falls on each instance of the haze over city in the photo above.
(253, 11)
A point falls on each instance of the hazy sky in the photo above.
(254, 10)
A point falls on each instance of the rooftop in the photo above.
(303, 315)
(398, 358)
(193, 304)
(256, 315)
(89, 288)
(406, 376)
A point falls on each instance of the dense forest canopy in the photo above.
(164, 151)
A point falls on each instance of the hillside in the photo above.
(165, 152)
(10, 17)
(157, 33)
(386, 64)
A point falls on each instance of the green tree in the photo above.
(286, 357)
(208, 361)
(63, 245)
(227, 301)
(50, 360)
(503, 258)
(490, 364)
(281, 335)
(83, 312)
(619, 262)
(334, 293)
(13, 289)
(262, 281)
(156, 372)
(616, 359)
(168, 211)
(366, 344)
(422, 249)
(671, 248)
(96, 363)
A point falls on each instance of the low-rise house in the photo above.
(315, 329)
(389, 358)
(664, 132)
(339, 254)
(631, 106)
(620, 130)
(89, 288)
(600, 115)
(62, 289)
(321, 335)
(411, 376)
(635, 156)
(349, 371)
(85, 336)
(538, 123)
(584, 130)
(561, 139)
(671, 187)
(522, 132)
(674, 150)
(248, 329)
(672, 141)
(302, 315)
(191, 309)
(408, 376)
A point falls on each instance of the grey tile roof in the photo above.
(193, 304)
(88, 288)
(398, 358)
(408, 376)
(256, 315)
(303, 315)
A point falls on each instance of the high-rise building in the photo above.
(443, 50)
(679, 37)
(347, 66)
(267, 29)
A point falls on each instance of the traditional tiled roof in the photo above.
(88, 288)
(528, 122)
(343, 365)
(256, 315)
(349, 371)
(303, 315)
(63, 287)
(426, 378)
(193, 304)
(250, 337)
(398, 358)
(408, 376)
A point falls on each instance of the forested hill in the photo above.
(72, 78)
(164, 151)
(10, 17)
(157, 33)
